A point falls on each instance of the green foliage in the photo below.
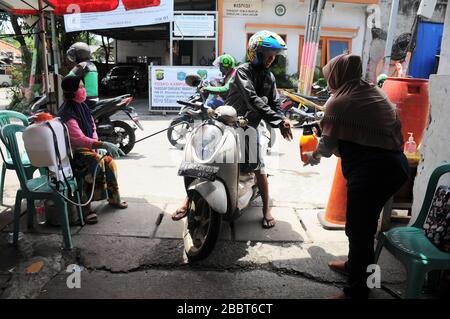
(11, 41)
(18, 101)
(16, 76)
(318, 74)
(284, 80)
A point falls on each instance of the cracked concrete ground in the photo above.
(138, 252)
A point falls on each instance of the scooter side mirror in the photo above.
(193, 80)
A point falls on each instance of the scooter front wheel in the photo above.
(201, 229)
(177, 135)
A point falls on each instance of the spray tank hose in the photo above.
(160, 131)
(96, 167)
(92, 191)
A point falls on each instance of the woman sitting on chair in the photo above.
(83, 138)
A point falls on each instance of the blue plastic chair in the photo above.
(39, 188)
(412, 248)
(5, 118)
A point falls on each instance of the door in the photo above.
(183, 52)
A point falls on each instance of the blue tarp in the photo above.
(428, 46)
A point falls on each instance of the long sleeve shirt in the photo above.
(77, 137)
(246, 94)
(223, 90)
(327, 146)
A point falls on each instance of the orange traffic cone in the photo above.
(335, 213)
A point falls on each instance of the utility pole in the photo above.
(390, 36)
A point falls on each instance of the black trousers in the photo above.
(369, 185)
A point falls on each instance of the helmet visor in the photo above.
(71, 55)
(267, 52)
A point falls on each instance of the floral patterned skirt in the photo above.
(84, 163)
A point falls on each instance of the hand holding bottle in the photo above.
(310, 159)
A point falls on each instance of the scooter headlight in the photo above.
(205, 140)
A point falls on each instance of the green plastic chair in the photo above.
(5, 118)
(36, 189)
(412, 248)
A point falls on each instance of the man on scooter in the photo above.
(253, 94)
(227, 65)
(80, 54)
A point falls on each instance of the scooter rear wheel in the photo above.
(201, 229)
(124, 136)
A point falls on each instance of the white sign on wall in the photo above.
(119, 18)
(242, 8)
(194, 26)
(167, 84)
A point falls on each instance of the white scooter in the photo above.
(218, 173)
(219, 176)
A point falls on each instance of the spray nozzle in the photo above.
(410, 138)
(310, 128)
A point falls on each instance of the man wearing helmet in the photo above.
(253, 94)
(227, 65)
(80, 54)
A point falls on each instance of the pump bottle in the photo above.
(308, 142)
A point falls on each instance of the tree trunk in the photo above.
(26, 54)
(106, 50)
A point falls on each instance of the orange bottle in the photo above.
(308, 142)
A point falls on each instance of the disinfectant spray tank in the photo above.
(47, 145)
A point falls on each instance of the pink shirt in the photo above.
(77, 137)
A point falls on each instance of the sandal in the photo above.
(180, 213)
(266, 222)
(121, 205)
(91, 218)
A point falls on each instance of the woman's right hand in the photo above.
(112, 149)
(311, 159)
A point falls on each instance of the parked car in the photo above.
(5, 80)
(124, 79)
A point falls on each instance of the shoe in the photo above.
(338, 266)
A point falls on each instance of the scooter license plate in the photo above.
(198, 171)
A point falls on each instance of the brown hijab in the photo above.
(358, 112)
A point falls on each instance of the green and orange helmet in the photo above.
(226, 61)
(264, 42)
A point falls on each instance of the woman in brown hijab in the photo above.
(362, 127)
